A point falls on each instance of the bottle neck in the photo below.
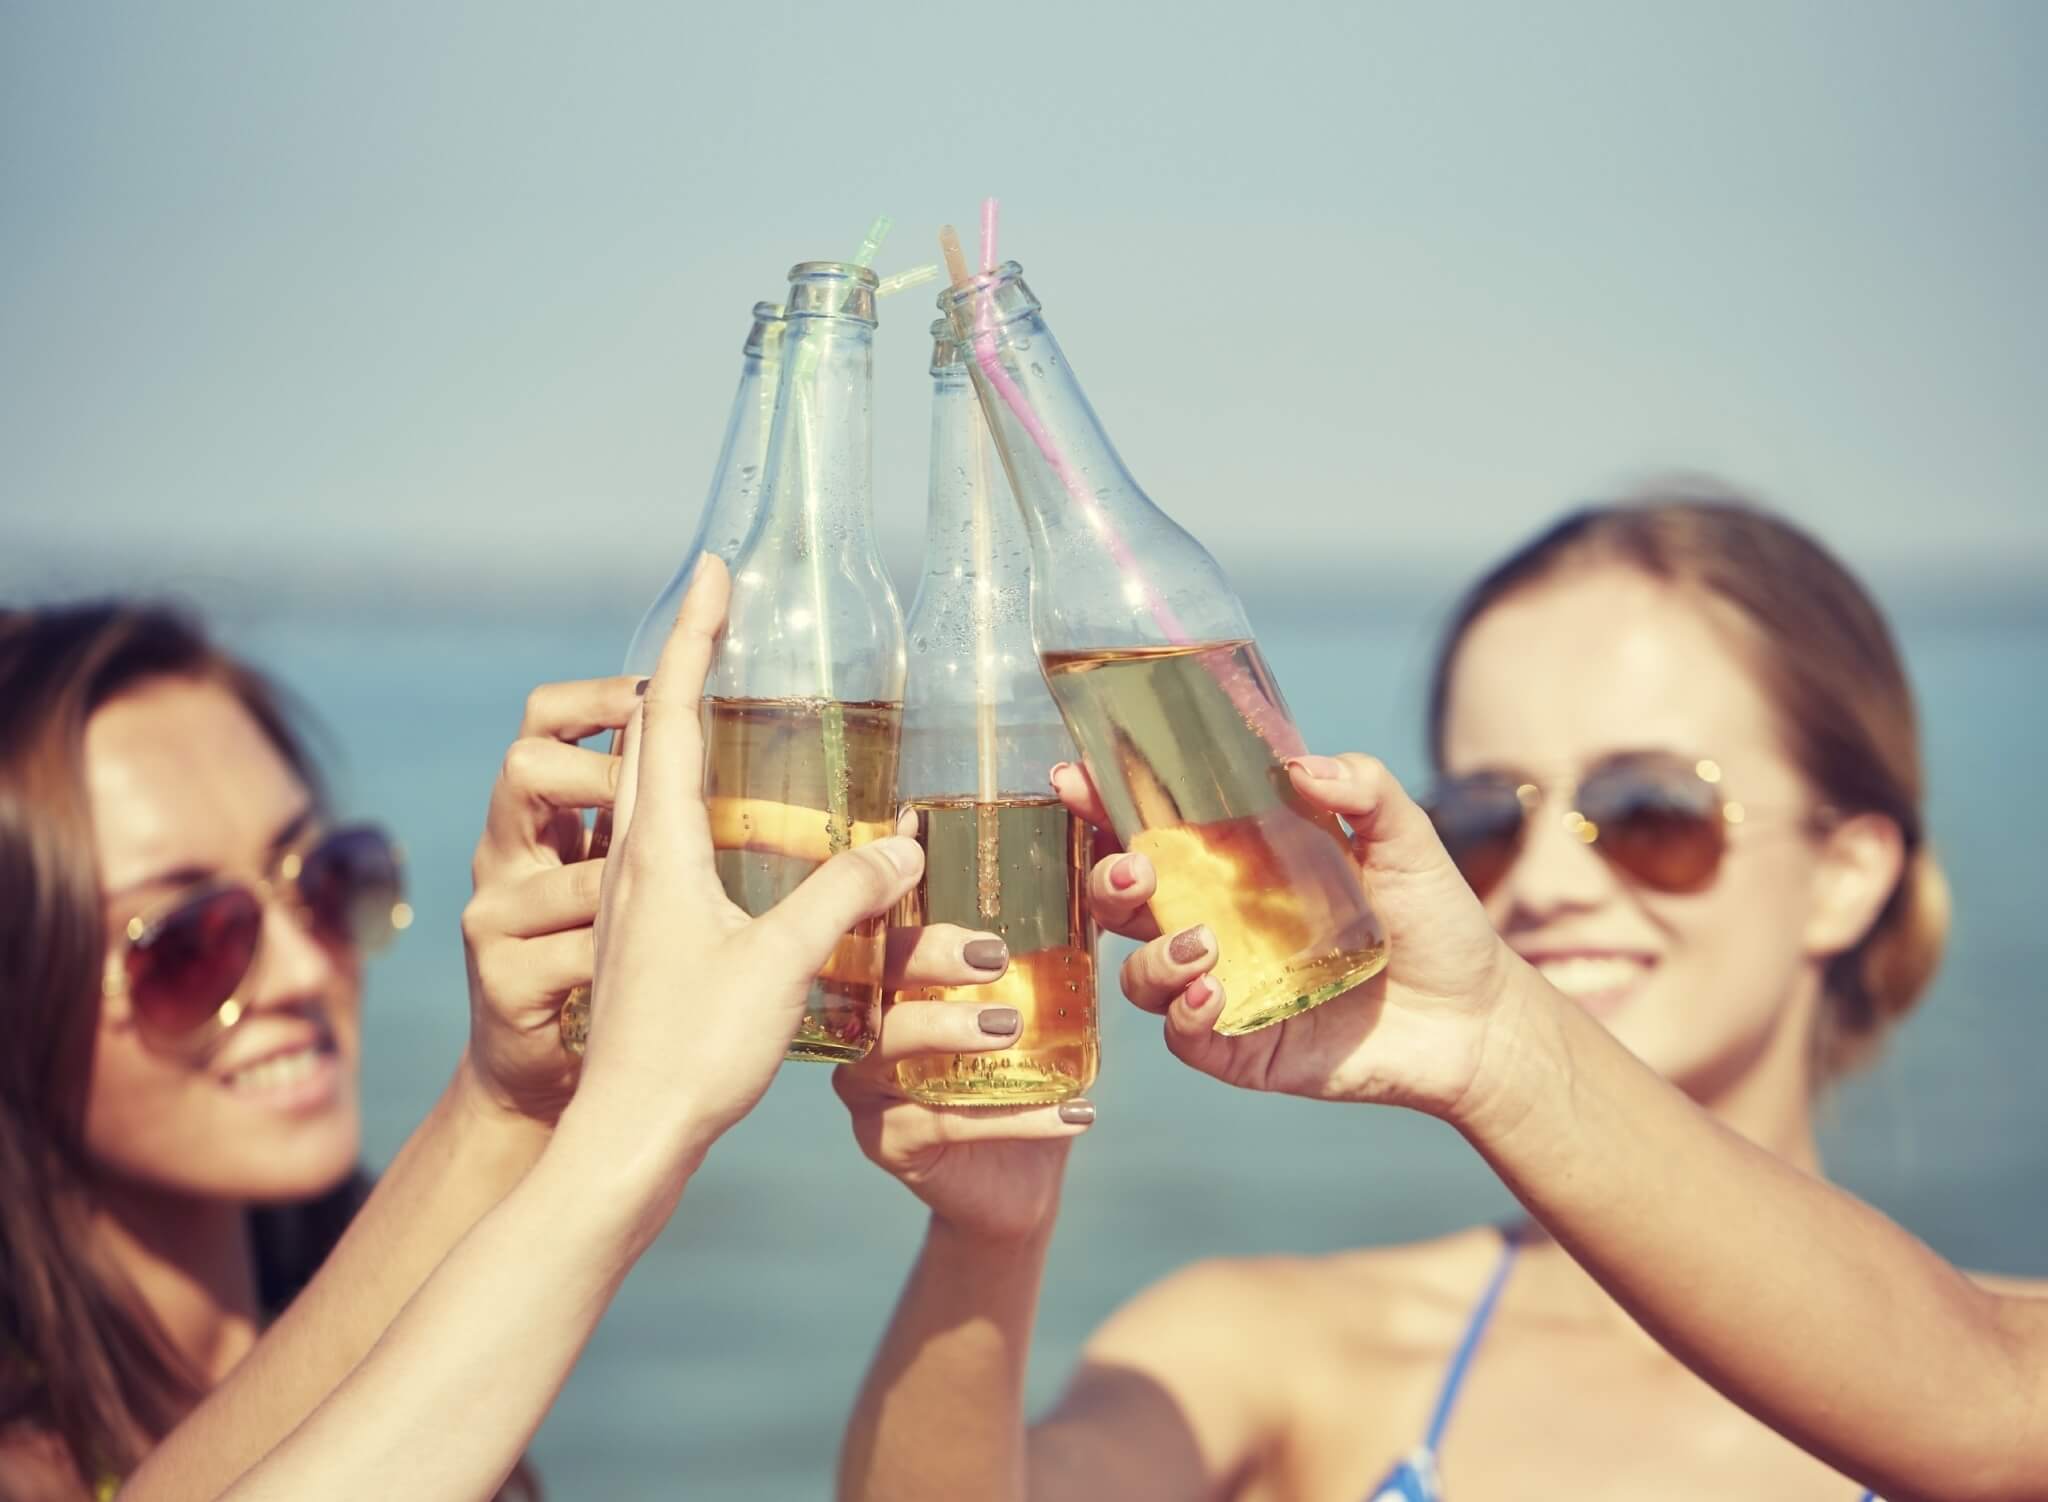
(1109, 569)
(734, 498)
(817, 484)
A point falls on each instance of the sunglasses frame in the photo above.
(1705, 770)
(279, 887)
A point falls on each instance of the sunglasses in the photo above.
(180, 966)
(1659, 819)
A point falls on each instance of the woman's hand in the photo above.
(527, 928)
(694, 1002)
(1417, 1034)
(987, 1171)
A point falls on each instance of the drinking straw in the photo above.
(838, 791)
(1076, 486)
(903, 281)
(988, 856)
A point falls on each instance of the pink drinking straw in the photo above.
(1076, 487)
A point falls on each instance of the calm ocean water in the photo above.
(728, 1363)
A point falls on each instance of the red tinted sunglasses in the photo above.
(180, 966)
(1659, 819)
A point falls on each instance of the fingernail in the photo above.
(1077, 1112)
(640, 688)
(1317, 766)
(1189, 945)
(1053, 776)
(1000, 1022)
(1201, 993)
(903, 854)
(987, 954)
(1123, 874)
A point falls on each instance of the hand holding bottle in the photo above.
(1421, 1033)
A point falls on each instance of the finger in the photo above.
(547, 902)
(916, 1029)
(1157, 972)
(539, 778)
(1191, 1034)
(1077, 790)
(523, 973)
(908, 1129)
(1119, 886)
(574, 711)
(942, 954)
(629, 781)
(1391, 831)
(799, 932)
(670, 778)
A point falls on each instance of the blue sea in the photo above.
(727, 1364)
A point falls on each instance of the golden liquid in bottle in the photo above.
(1186, 745)
(1019, 868)
(789, 783)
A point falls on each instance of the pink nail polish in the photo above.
(1201, 993)
(1123, 875)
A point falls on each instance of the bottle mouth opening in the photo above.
(951, 297)
(832, 289)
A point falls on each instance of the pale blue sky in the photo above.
(457, 289)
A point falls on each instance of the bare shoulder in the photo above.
(2025, 1288)
(1406, 1300)
(35, 1468)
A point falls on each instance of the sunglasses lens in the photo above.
(1479, 819)
(1659, 822)
(190, 962)
(349, 883)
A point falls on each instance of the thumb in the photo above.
(1391, 832)
(855, 884)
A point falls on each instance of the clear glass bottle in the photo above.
(729, 509)
(980, 732)
(1150, 656)
(803, 713)
(727, 517)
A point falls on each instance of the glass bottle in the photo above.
(980, 732)
(1152, 661)
(727, 517)
(804, 709)
(729, 509)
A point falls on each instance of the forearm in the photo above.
(944, 1397)
(454, 1168)
(1799, 1302)
(452, 1394)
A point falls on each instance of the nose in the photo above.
(1557, 873)
(293, 965)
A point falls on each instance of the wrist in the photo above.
(1521, 1061)
(480, 1111)
(995, 1237)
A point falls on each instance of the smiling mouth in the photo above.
(284, 1070)
(1598, 982)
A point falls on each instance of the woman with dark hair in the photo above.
(1680, 781)
(181, 931)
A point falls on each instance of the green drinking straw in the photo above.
(838, 788)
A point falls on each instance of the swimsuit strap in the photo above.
(1468, 1346)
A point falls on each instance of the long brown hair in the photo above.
(81, 1359)
(1824, 657)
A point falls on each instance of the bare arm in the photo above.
(1795, 1299)
(452, 1170)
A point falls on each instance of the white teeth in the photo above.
(276, 1073)
(1590, 974)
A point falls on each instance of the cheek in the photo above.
(1742, 941)
(147, 1115)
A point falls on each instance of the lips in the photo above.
(1600, 980)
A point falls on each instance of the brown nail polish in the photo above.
(985, 954)
(1000, 1022)
(1077, 1113)
(640, 689)
(1189, 945)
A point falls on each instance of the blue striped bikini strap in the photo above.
(1468, 1345)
